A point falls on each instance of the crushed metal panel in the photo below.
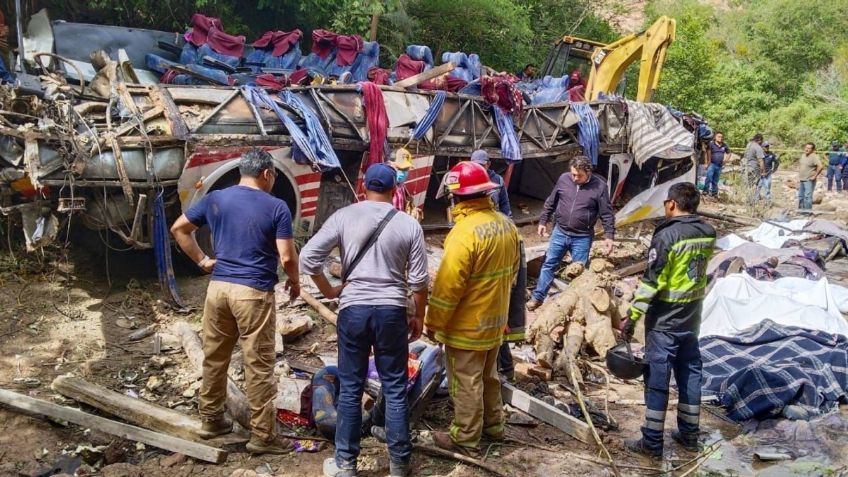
(76, 41)
(404, 111)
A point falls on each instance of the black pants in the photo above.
(516, 317)
(505, 365)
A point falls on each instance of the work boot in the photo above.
(273, 446)
(638, 446)
(443, 440)
(533, 304)
(398, 469)
(689, 443)
(215, 428)
(331, 469)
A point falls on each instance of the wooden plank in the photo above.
(322, 310)
(122, 171)
(546, 413)
(132, 410)
(203, 452)
(163, 99)
(632, 269)
(424, 76)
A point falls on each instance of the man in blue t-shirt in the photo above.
(252, 232)
(716, 152)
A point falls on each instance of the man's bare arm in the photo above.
(288, 259)
(183, 232)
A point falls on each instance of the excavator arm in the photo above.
(610, 62)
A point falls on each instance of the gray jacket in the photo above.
(576, 208)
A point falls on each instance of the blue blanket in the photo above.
(769, 366)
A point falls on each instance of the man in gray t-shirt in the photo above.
(372, 312)
(753, 159)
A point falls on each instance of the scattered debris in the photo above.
(292, 327)
(162, 441)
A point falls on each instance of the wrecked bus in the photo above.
(143, 152)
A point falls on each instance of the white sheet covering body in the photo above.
(738, 301)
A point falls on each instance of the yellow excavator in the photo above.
(607, 63)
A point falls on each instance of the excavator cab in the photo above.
(607, 63)
(569, 54)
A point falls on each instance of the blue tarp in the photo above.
(589, 130)
(319, 143)
(313, 143)
(551, 90)
(510, 149)
(769, 366)
(429, 117)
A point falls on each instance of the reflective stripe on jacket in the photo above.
(470, 299)
(672, 289)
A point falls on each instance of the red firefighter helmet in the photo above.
(468, 178)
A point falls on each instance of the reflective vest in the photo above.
(672, 289)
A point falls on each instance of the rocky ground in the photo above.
(71, 310)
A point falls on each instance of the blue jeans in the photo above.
(671, 352)
(713, 175)
(359, 328)
(560, 243)
(805, 194)
(764, 188)
(834, 173)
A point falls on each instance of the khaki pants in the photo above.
(476, 392)
(231, 313)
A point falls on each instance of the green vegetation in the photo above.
(779, 67)
(506, 34)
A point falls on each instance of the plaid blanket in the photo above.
(769, 366)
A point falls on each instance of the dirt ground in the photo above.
(71, 309)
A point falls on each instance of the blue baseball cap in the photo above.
(480, 157)
(380, 178)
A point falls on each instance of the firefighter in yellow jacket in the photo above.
(469, 305)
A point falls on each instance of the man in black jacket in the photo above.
(670, 296)
(575, 204)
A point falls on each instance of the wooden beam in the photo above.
(23, 403)
(322, 310)
(632, 269)
(236, 400)
(424, 76)
(132, 410)
(546, 413)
